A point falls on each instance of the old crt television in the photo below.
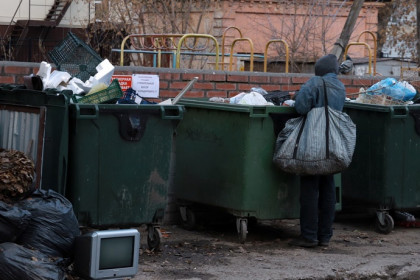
(107, 254)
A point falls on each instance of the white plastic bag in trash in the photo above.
(251, 98)
(235, 99)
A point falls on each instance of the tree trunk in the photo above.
(341, 43)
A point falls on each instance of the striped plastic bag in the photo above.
(316, 145)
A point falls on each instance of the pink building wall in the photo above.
(310, 31)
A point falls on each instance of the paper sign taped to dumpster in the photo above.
(124, 81)
(146, 85)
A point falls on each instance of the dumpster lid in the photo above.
(252, 110)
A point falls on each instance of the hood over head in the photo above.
(326, 64)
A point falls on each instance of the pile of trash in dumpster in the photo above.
(62, 80)
(37, 227)
(388, 91)
(258, 96)
(80, 71)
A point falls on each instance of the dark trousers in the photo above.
(317, 207)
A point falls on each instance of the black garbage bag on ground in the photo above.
(13, 221)
(20, 263)
(53, 226)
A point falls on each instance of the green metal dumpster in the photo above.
(120, 164)
(224, 161)
(36, 123)
(383, 175)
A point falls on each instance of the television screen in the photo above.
(116, 252)
(107, 254)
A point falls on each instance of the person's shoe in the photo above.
(303, 242)
(323, 243)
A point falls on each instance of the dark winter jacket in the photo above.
(311, 94)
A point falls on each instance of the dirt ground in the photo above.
(212, 251)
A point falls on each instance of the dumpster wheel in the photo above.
(154, 237)
(188, 218)
(242, 227)
(384, 223)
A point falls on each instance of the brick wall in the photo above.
(209, 84)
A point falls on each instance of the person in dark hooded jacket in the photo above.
(317, 192)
